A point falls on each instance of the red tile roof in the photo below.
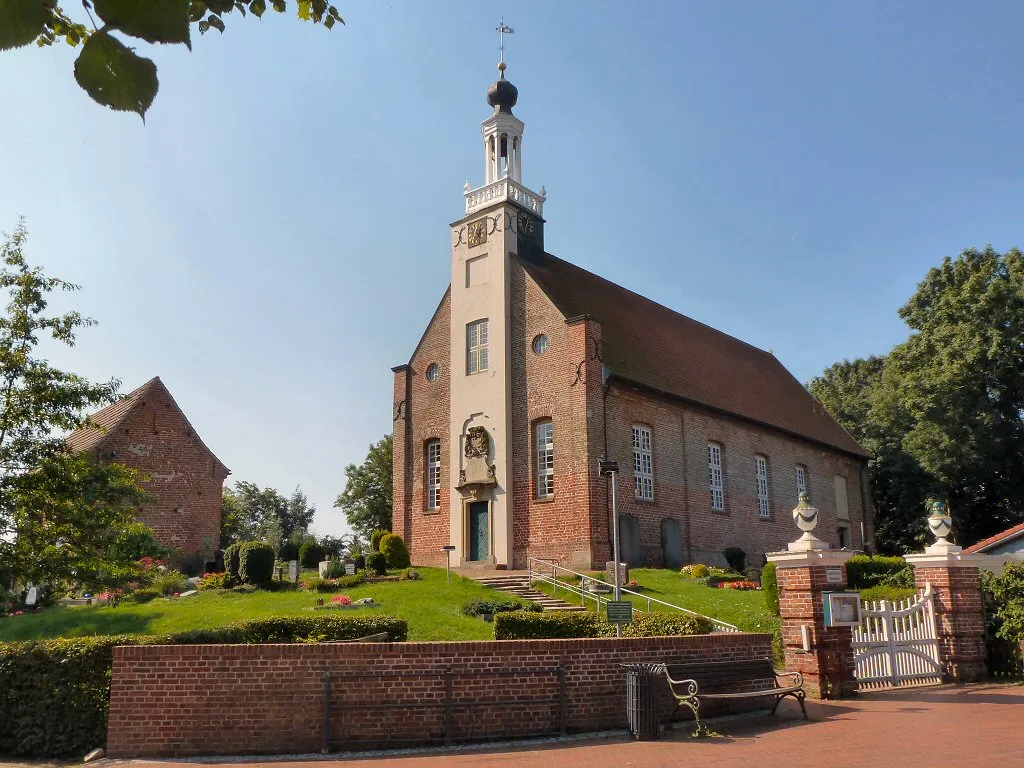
(105, 421)
(651, 345)
(1009, 533)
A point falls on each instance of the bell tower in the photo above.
(503, 218)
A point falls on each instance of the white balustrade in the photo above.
(502, 190)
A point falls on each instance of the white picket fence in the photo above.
(896, 644)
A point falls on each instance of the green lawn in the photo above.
(432, 608)
(746, 610)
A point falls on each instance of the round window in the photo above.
(540, 344)
(433, 372)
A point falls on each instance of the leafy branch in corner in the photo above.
(110, 71)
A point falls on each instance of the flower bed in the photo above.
(743, 585)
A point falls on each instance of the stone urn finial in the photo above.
(806, 518)
(940, 524)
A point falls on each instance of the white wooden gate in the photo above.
(896, 643)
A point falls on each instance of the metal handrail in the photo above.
(536, 574)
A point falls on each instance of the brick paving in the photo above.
(956, 726)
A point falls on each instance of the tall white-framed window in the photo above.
(715, 484)
(761, 470)
(643, 464)
(545, 459)
(801, 480)
(434, 474)
(476, 346)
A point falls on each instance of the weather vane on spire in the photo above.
(502, 30)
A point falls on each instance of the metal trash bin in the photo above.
(643, 700)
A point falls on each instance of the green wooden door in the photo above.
(479, 530)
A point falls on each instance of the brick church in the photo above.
(148, 431)
(532, 369)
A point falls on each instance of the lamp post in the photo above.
(610, 469)
(448, 549)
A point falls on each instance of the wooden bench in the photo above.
(720, 681)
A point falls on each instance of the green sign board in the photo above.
(620, 612)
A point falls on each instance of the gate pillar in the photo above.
(959, 614)
(827, 662)
(824, 655)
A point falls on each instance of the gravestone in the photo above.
(32, 596)
(293, 570)
(630, 549)
(671, 543)
(324, 565)
(350, 569)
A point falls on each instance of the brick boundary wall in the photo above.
(188, 700)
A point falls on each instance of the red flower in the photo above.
(341, 600)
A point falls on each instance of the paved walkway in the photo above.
(960, 727)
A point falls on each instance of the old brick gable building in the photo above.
(532, 369)
(147, 430)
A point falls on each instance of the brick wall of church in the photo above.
(547, 386)
(185, 479)
(680, 436)
(424, 417)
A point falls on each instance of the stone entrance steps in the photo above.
(519, 585)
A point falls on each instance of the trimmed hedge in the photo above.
(863, 571)
(520, 625)
(770, 586)
(316, 627)
(310, 554)
(479, 606)
(893, 594)
(55, 694)
(392, 546)
(375, 538)
(377, 563)
(661, 624)
(231, 560)
(256, 562)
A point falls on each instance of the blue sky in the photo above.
(275, 237)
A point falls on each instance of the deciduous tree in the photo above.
(108, 68)
(367, 498)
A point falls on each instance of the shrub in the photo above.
(770, 585)
(699, 571)
(881, 592)
(54, 695)
(310, 554)
(289, 551)
(169, 582)
(360, 561)
(293, 629)
(316, 584)
(214, 581)
(409, 574)
(231, 560)
(375, 538)
(523, 625)
(1005, 596)
(479, 606)
(138, 596)
(660, 624)
(256, 563)
(334, 570)
(736, 558)
(377, 563)
(392, 546)
(864, 571)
